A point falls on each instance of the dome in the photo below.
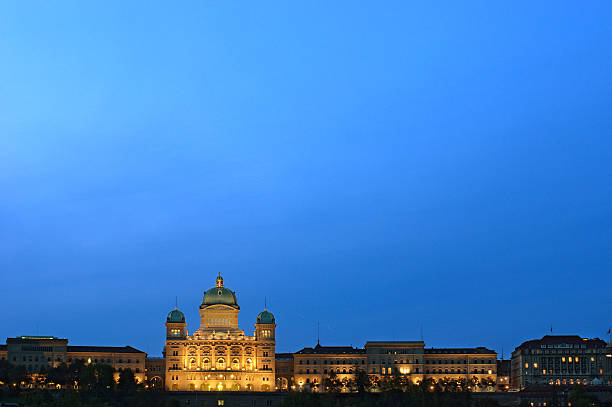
(265, 317)
(219, 295)
(176, 316)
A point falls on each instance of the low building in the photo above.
(155, 372)
(463, 363)
(560, 360)
(312, 365)
(38, 352)
(412, 359)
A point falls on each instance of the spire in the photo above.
(318, 333)
(219, 281)
(265, 304)
(176, 302)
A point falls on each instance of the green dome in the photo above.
(220, 295)
(265, 317)
(176, 316)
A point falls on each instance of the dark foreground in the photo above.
(547, 397)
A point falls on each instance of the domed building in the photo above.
(219, 356)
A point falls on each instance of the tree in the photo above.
(362, 381)
(127, 381)
(105, 375)
(59, 375)
(331, 383)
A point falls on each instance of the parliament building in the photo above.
(219, 355)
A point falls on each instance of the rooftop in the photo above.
(330, 350)
(478, 350)
(31, 339)
(560, 340)
(104, 349)
(395, 343)
(284, 356)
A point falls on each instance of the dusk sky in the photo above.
(375, 166)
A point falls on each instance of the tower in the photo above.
(176, 327)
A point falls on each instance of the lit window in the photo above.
(563, 359)
(570, 359)
(526, 365)
(544, 371)
(535, 365)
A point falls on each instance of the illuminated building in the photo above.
(219, 356)
(312, 365)
(381, 359)
(36, 352)
(412, 359)
(560, 360)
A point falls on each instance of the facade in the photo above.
(391, 357)
(284, 372)
(155, 370)
(386, 358)
(36, 352)
(219, 356)
(312, 365)
(561, 360)
(462, 363)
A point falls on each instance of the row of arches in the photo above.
(219, 386)
(221, 364)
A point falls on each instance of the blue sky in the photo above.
(379, 167)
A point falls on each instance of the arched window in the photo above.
(220, 363)
(249, 364)
(235, 364)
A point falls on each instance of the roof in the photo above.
(35, 339)
(176, 316)
(562, 340)
(330, 350)
(394, 342)
(284, 356)
(104, 349)
(265, 317)
(478, 350)
(3, 347)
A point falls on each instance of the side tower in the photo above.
(265, 335)
(176, 327)
(176, 335)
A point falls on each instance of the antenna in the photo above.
(265, 304)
